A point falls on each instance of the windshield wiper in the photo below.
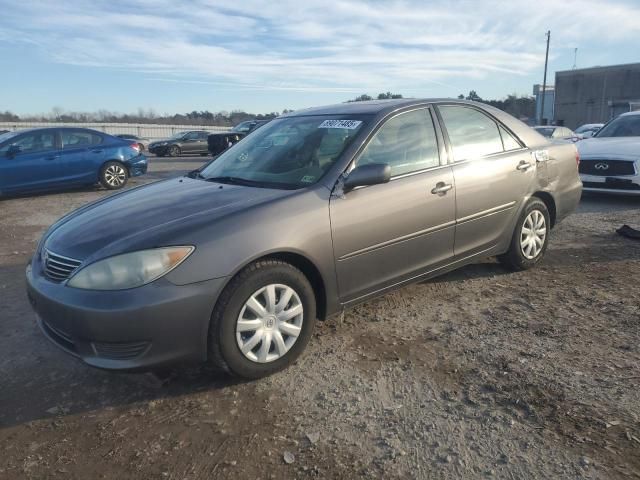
(234, 181)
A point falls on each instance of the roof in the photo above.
(368, 107)
(624, 66)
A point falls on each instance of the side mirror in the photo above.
(14, 150)
(371, 174)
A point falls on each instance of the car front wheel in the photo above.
(263, 320)
(113, 175)
(530, 238)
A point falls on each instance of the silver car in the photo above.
(610, 161)
(314, 212)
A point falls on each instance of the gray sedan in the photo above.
(314, 212)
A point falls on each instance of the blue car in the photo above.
(53, 158)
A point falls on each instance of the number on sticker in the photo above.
(348, 124)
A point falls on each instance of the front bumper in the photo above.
(141, 328)
(158, 149)
(617, 185)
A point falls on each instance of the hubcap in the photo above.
(534, 232)
(269, 323)
(115, 175)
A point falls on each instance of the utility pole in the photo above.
(575, 58)
(544, 82)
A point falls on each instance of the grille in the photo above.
(120, 351)
(607, 168)
(57, 267)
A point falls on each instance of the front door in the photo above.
(493, 173)
(34, 166)
(385, 234)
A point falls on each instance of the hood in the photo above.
(163, 213)
(624, 148)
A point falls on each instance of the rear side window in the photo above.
(472, 134)
(79, 139)
(406, 142)
(508, 141)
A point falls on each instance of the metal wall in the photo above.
(150, 131)
(596, 95)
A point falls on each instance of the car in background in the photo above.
(4, 131)
(588, 129)
(219, 142)
(188, 142)
(142, 142)
(610, 160)
(53, 158)
(557, 133)
(249, 126)
(319, 210)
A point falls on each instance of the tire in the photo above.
(113, 175)
(254, 282)
(174, 151)
(523, 254)
(141, 147)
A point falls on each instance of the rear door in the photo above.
(83, 151)
(35, 167)
(201, 142)
(385, 234)
(493, 174)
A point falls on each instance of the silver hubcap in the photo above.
(115, 175)
(534, 232)
(269, 323)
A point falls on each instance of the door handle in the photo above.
(441, 188)
(96, 151)
(52, 157)
(523, 166)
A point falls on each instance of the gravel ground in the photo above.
(477, 374)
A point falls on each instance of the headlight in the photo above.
(129, 270)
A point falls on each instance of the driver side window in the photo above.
(406, 142)
(33, 142)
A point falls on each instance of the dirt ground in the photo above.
(477, 374)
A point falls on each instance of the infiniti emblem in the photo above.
(602, 166)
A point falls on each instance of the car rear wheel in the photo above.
(141, 147)
(113, 175)
(174, 151)
(530, 238)
(263, 320)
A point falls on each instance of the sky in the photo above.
(262, 56)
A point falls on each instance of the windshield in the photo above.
(243, 126)
(623, 126)
(546, 131)
(8, 135)
(175, 136)
(286, 153)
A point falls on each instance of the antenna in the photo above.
(575, 58)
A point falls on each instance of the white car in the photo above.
(588, 130)
(610, 161)
(557, 133)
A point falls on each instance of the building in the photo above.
(596, 95)
(549, 103)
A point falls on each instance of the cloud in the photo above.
(317, 46)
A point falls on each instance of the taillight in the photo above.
(135, 146)
(577, 157)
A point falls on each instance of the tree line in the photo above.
(203, 117)
(522, 107)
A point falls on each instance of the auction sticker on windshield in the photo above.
(348, 124)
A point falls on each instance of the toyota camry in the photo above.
(316, 211)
